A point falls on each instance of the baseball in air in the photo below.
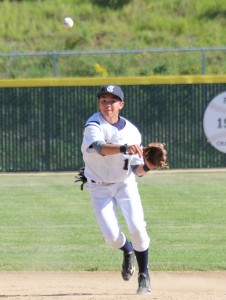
(68, 22)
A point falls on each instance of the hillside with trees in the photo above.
(36, 26)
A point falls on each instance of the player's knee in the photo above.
(140, 240)
(115, 243)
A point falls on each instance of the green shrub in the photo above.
(111, 3)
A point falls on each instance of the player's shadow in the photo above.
(47, 295)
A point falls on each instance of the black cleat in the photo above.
(143, 284)
(128, 267)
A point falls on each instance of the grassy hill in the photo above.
(27, 26)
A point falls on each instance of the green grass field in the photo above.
(47, 223)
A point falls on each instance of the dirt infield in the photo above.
(109, 286)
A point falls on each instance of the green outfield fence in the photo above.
(42, 120)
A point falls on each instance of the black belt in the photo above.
(93, 181)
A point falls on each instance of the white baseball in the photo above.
(68, 22)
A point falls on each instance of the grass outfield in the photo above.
(47, 223)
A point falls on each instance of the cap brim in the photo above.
(102, 93)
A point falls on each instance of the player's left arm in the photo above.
(140, 170)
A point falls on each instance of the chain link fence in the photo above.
(108, 63)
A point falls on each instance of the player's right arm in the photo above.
(94, 139)
(111, 149)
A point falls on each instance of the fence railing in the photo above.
(104, 63)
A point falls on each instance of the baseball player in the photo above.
(113, 157)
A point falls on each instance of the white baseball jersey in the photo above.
(109, 168)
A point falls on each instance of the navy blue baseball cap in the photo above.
(113, 90)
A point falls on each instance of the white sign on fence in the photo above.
(214, 122)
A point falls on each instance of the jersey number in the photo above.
(126, 164)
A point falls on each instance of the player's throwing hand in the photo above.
(134, 149)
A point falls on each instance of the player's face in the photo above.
(110, 107)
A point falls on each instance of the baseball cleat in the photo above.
(128, 267)
(143, 284)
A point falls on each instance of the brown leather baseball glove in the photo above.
(155, 153)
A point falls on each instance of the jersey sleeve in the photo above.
(92, 133)
(136, 160)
